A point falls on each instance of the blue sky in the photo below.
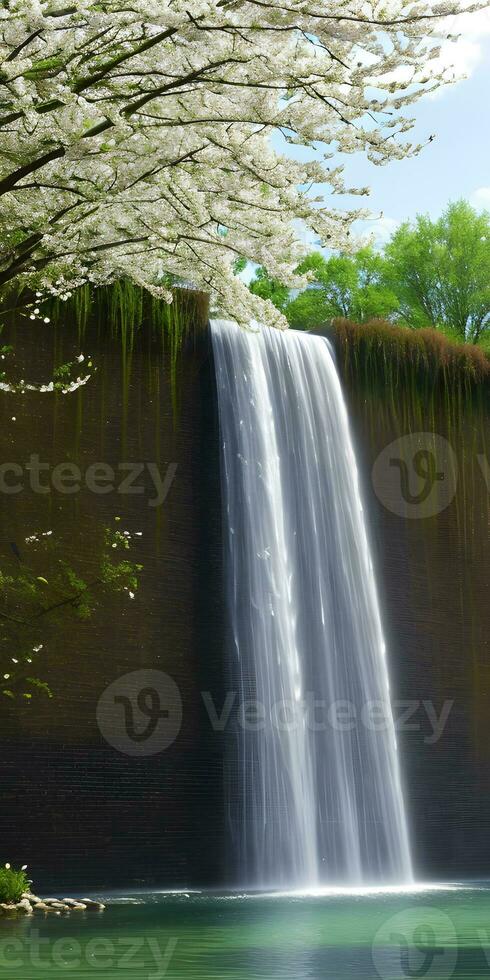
(457, 163)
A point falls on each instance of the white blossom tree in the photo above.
(139, 138)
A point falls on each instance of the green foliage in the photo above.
(239, 266)
(267, 288)
(40, 590)
(308, 310)
(13, 884)
(44, 68)
(342, 285)
(431, 274)
(440, 271)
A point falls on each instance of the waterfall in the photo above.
(313, 788)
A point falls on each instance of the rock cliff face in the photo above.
(421, 418)
(87, 812)
(82, 811)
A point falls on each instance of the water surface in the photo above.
(425, 933)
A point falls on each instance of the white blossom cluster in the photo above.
(137, 137)
(22, 386)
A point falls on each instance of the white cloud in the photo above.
(459, 56)
(481, 198)
(467, 53)
(382, 229)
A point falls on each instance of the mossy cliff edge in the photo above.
(408, 390)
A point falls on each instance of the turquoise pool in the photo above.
(434, 932)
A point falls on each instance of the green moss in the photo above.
(124, 308)
(402, 381)
(13, 884)
(427, 357)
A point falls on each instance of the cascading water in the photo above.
(314, 794)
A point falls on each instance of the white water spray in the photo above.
(314, 794)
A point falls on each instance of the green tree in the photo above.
(341, 286)
(261, 285)
(440, 272)
(352, 286)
